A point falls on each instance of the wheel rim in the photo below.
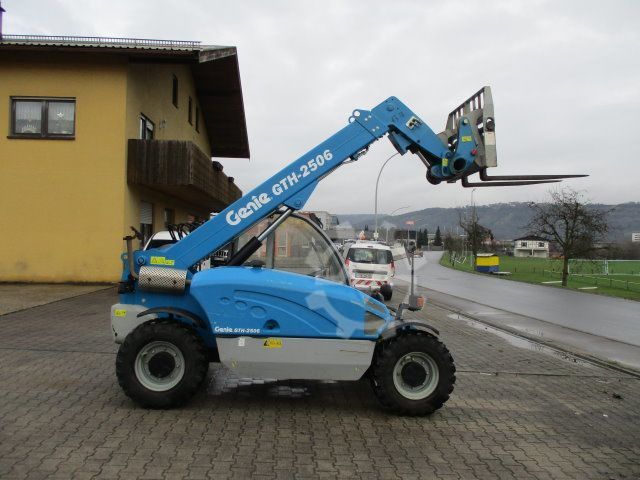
(159, 366)
(416, 375)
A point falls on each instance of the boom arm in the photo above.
(462, 149)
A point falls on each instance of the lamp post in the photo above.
(375, 232)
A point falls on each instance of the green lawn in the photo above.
(544, 271)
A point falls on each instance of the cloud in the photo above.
(565, 87)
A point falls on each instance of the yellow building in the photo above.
(104, 134)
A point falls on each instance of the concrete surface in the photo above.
(613, 318)
(515, 413)
(19, 296)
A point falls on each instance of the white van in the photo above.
(370, 265)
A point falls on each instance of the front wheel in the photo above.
(161, 365)
(413, 374)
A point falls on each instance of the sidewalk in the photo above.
(20, 296)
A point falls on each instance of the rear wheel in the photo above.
(161, 364)
(413, 374)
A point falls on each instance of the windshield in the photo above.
(370, 255)
(297, 247)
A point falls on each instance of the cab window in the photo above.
(297, 247)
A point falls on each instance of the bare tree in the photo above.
(571, 223)
(475, 233)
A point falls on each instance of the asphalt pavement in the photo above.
(605, 326)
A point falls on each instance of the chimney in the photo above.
(2, 10)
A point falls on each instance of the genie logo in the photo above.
(255, 204)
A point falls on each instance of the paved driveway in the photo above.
(515, 413)
(608, 317)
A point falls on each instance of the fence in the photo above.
(597, 281)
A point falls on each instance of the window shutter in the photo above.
(146, 213)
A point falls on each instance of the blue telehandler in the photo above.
(280, 306)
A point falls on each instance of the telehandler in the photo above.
(262, 317)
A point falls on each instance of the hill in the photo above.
(506, 220)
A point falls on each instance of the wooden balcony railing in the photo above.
(182, 170)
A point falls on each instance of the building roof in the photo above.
(531, 237)
(215, 70)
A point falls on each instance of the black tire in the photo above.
(387, 297)
(423, 346)
(188, 372)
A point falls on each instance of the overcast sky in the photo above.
(565, 77)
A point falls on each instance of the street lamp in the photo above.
(375, 232)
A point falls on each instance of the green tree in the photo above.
(437, 241)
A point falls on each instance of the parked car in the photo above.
(370, 266)
(163, 237)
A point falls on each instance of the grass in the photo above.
(541, 270)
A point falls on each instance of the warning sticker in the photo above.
(120, 313)
(162, 261)
(272, 343)
(466, 138)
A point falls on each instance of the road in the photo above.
(612, 318)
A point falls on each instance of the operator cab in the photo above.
(298, 245)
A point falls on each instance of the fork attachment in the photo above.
(470, 137)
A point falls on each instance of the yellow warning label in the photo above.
(445, 162)
(162, 261)
(466, 138)
(120, 313)
(272, 343)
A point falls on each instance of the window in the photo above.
(190, 111)
(169, 217)
(174, 92)
(297, 246)
(523, 244)
(281, 244)
(541, 244)
(43, 117)
(146, 128)
(370, 255)
(197, 120)
(146, 221)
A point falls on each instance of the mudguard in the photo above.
(398, 327)
(197, 321)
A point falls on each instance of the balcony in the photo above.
(180, 169)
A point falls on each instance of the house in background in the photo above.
(531, 246)
(635, 237)
(106, 133)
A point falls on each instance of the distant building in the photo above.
(531, 246)
(331, 225)
(635, 237)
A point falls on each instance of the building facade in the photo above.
(104, 134)
(531, 246)
(635, 237)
